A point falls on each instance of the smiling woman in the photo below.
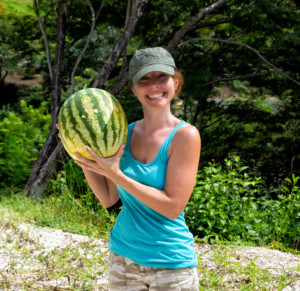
(154, 176)
(155, 86)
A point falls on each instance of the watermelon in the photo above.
(95, 118)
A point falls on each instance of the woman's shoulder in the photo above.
(187, 137)
(187, 131)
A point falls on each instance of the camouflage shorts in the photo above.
(125, 274)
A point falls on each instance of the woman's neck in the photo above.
(155, 120)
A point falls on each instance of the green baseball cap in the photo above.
(148, 60)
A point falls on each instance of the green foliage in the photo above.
(18, 47)
(83, 215)
(228, 204)
(263, 131)
(17, 8)
(96, 54)
(63, 208)
(21, 140)
(32, 95)
(131, 105)
(266, 137)
(223, 203)
(85, 79)
(286, 213)
(70, 204)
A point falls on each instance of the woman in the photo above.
(150, 246)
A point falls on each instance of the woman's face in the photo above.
(155, 89)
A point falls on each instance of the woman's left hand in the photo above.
(108, 167)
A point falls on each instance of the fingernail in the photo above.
(87, 148)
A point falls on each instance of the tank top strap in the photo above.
(165, 147)
(130, 127)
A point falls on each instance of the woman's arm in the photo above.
(104, 189)
(181, 174)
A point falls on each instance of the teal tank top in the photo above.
(141, 233)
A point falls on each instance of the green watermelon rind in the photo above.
(95, 118)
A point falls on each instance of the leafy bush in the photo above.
(228, 204)
(71, 179)
(285, 214)
(263, 132)
(21, 140)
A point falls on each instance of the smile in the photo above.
(156, 96)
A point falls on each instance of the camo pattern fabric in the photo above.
(124, 274)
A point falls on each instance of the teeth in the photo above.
(156, 95)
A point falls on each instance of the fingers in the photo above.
(84, 166)
(84, 163)
(58, 129)
(91, 153)
(121, 150)
(82, 159)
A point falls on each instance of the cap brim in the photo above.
(153, 68)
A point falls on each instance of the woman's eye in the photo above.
(143, 81)
(162, 76)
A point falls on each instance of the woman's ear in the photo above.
(176, 82)
(133, 89)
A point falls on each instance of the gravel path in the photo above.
(38, 258)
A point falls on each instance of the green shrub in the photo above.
(285, 214)
(228, 204)
(21, 140)
(223, 205)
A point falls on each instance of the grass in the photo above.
(82, 266)
(59, 212)
(230, 274)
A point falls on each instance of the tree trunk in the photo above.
(135, 10)
(53, 154)
(36, 181)
(58, 157)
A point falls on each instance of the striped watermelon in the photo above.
(95, 118)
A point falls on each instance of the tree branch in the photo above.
(243, 45)
(221, 79)
(79, 58)
(51, 141)
(177, 37)
(191, 24)
(213, 23)
(166, 34)
(45, 39)
(137, 8)
(57, 158)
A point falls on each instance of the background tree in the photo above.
(240, 46)
(51, 154)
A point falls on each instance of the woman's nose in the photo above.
(154, 82)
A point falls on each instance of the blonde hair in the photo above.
(178, 76)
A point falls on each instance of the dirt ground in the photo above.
(19, 80)
(23, 245)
